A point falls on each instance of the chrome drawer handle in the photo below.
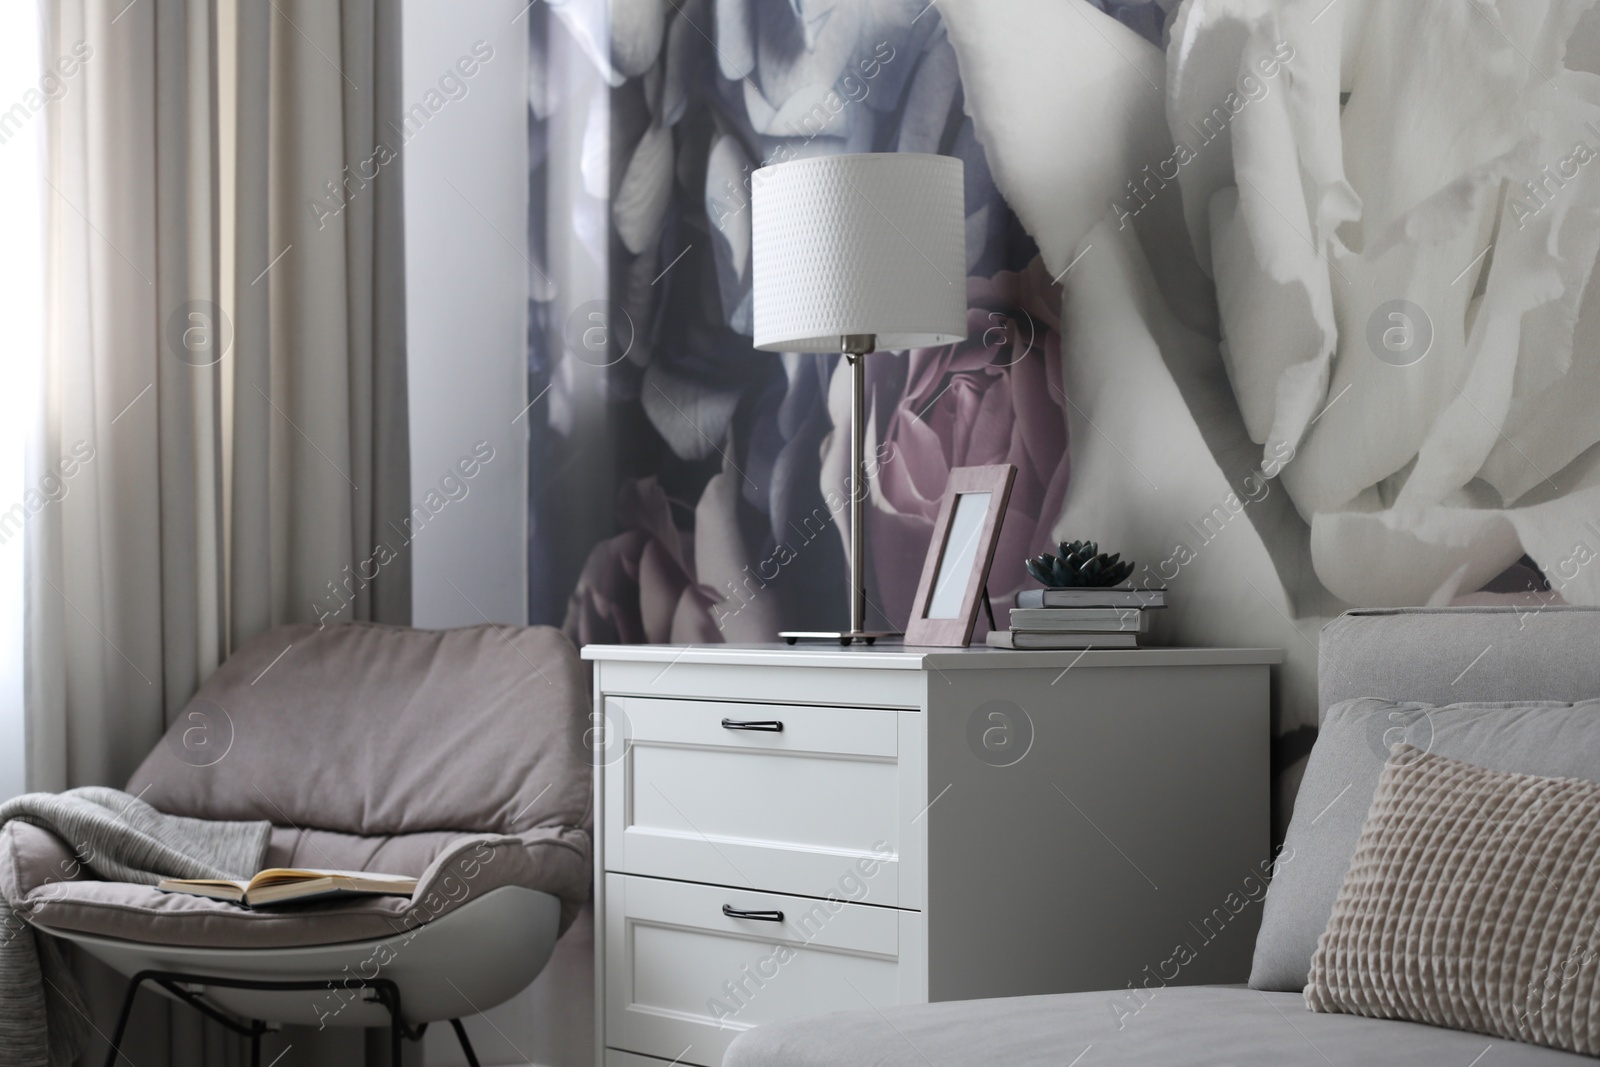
(764, 916)
(771, 726)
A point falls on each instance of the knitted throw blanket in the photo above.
(43, 1019)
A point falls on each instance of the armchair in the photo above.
(455, 756)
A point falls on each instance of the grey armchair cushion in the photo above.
(1543, 738)
(455, 868)
(376, 730)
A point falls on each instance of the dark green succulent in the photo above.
(1080, 565)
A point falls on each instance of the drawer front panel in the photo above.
(791, 810)
(853, 688)
(684, 979)
(868, 732)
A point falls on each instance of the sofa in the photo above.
(1459, 669)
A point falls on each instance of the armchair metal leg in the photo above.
(466, 1046)
(122, 1018)
(384, 991)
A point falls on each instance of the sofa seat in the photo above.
(58, 895)
(1194, 1026)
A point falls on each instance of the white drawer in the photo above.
(683, 979)
(694, 797)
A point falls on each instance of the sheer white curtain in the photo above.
(245, 440)
(224, 363)
(20, 187)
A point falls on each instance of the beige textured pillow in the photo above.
(1473, 902)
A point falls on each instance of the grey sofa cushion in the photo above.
(1542, 738)
(54, 892)
(1196, 1026)
(374, 730)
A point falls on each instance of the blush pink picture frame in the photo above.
(957, 632)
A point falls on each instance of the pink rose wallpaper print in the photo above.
(683, 486)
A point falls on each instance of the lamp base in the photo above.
(844, 637)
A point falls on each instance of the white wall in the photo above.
(466, 175)
(466, 291)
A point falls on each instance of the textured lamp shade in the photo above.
(859, 244)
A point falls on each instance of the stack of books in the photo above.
(1079, 618)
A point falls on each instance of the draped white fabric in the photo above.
(238, 461)
(1402, 238)
(1278, 446)
(225, 364)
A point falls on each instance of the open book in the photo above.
(280, 885)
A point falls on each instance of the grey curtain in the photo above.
(224, 371)
(321, 331)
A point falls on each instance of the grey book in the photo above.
(1030, 639)
(283, 885)
(1079, 620)
(1120, 597)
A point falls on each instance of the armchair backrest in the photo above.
(377, 730)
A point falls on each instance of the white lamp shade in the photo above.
(859, 244)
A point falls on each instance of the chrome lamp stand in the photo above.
(856, 348)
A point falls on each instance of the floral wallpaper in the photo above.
(683, 486)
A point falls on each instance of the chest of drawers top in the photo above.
(888, 675)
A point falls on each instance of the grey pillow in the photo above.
(1545, 738)
(1471, 903)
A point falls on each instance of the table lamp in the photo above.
(855, 254)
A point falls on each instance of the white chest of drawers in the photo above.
(786, 831)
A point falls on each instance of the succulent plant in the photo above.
(1080, 565)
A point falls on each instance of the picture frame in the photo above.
(956, 569)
